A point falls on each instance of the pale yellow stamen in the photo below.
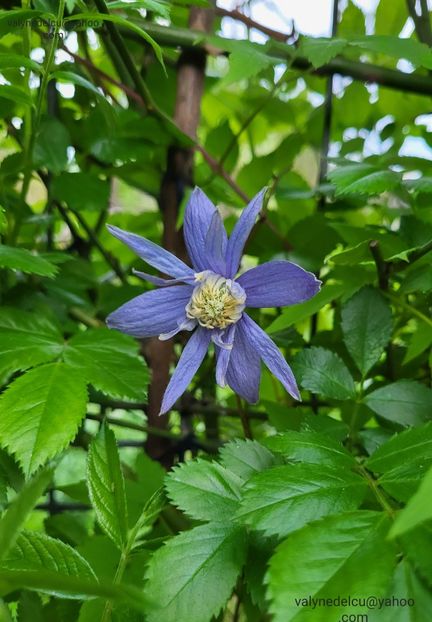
(216, 302)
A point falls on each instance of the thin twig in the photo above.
(251, 23)
(244, 418)
(111, 261)
(381, 265)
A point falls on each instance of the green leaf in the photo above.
(27, 340)
(45, 580)
(81, 191)
(418, 510)
(106, 486)
(246, 61)
(420, 341)
(406, 402)
(389, 19)
(297, 313)
(422, 184)
(310, 447)
(149, 514)
(352, 22)
(15, 94)
(52, 142)
(407, 587)
(9, 61)
(245, 457)
(284, 498)
(125, 23)
(39, 552)
(416, 544)
(367, 326)
(336, 557)
(78, 80)
(363, 179)
(403, 481)
(202, 566)
(109, 361)
(320, 50)
(13, 19)
(160, 7)
(323, 372)
(403, 448)
(413, 51)
(40, 413)
(25, 261)
(204, 490)
(15, 516)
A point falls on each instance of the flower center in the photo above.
(216, 302)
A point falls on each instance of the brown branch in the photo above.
(179, 175)
(173, 36)
(382, 266)
(251, 23)
(105, 76)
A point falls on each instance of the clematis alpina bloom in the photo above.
(210, 300)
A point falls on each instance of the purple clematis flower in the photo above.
(210, 300)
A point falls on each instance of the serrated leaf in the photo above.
(145, 521)
(202, 565)
(297, 313)
(16, 514)
(418, 510)
(403, 481)
(106, 486)
(327, 559)
(245, 457)
(23, 260)
(204, 490)
(27, 339)
(40, 413)
(323, 372)
(284, 498)
(363, 178)
(310, 447)
(110, 362)
(401, 449)
(367, 326)
(406, 402)
(37, 551)
(320, 50)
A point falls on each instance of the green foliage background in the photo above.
(332, 497)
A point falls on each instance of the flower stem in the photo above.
(247, 431)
